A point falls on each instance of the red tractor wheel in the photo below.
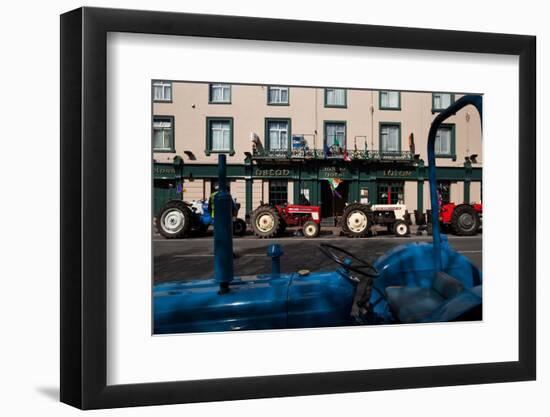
(465, 220)
(265, 221)
(311, 229)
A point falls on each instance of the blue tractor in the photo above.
(179, 219)
(411, 283)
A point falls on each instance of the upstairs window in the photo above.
(277, 95)
(219, 135)
(444, 141)
(390, 100)
(335, 97)
(278, 135)
(220, 93)
(162, 91)
(163, 134)
(440, 101)
(390, 137)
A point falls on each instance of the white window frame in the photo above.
(438, 143)
(334, 96)
(387, 97)
(340, 128)
(279, 90)
(223, 87)
(279, 131)
(384, 143)
(165, 89)
(226, 128)
(439, 96)
(164, 124)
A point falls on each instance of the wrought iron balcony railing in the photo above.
(306, 153)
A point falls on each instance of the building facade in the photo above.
(326, 146)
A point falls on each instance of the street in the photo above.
(192, 258)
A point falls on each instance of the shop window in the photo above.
(278, 133)
(390, 100)
(214, 186)
(440, 101)
(445, 141)
(220, 93)
(391, 192)
(277, 95)
(163, 134)
(335, 97)
(390, 137)
(444, 191)
(278, 192)
(219, 135)
(162, 91)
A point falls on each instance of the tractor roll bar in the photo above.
(475, 100)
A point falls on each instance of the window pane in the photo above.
(443, 141)
(278, 135)
(278, 192)
(389, 99)
(390, 138)
(284, 95)
(335, 96)
(220, 135)
(393, 99)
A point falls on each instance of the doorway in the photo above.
(333, 204)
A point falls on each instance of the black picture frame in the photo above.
(84, 207)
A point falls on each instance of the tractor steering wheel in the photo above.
(356, 265)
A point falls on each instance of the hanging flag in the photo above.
(334, 183)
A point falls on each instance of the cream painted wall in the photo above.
(307, 112)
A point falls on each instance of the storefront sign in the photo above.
(398, 173)
(332, 172)
(164, 171)
(271, 172)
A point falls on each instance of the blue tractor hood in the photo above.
(270, 301)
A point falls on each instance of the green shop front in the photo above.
(331, 184)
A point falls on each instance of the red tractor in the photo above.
(462, 219)
(270, 221)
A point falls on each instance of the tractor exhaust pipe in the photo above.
(223, 230)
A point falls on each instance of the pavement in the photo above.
(192, 258)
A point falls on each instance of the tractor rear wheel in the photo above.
(239, 227)
(265, 221)
(174, 220)
(356, 220)
(401, 228)
(465, 220)
(311, 229)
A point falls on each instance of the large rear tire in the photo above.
(465, 220)
(174, 220)
(357, 220)
(265, 221)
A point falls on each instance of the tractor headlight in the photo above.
(315, 216)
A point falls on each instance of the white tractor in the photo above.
(358, 219)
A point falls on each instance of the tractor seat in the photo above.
(413, 304)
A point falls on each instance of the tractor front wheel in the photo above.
(465, 220)
(239, 227)
(265, 222)
(311, 229)
(400, 228)
(174, 220)
(357, 220)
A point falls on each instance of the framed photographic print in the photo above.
(255, 208)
